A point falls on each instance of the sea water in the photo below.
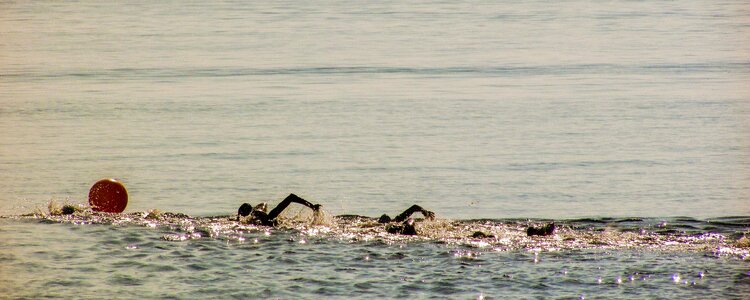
(495, 115)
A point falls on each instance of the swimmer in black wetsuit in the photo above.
(260, 217)
(407, 223)
(545, 230)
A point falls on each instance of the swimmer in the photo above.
(260, 217)
(545, 230)
(68, 209)
(407, 223)
(481, 235)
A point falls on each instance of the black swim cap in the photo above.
(384, 219)
(245, 209)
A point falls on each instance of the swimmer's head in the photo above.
(68, 209)
(384, 219)
(244, 210)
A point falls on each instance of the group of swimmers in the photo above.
(401, 224)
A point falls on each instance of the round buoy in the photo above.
(108, 195)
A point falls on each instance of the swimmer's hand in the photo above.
(428, 215)
(316, 207)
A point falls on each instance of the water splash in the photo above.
(497, 235)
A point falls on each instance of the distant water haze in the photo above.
(474, 110)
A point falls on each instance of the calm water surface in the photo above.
(481, 110)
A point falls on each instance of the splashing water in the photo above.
(591, 257)
(497, 235)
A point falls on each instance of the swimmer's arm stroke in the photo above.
(292, 198)
(411, 210)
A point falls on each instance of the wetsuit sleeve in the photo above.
(288, 200)
(411, 210)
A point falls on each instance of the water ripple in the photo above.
(573, 69)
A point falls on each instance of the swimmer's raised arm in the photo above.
(288, 200)
(259, 215)
(411, 210)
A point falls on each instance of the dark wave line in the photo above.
(146, 73)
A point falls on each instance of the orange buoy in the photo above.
(108, 195)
